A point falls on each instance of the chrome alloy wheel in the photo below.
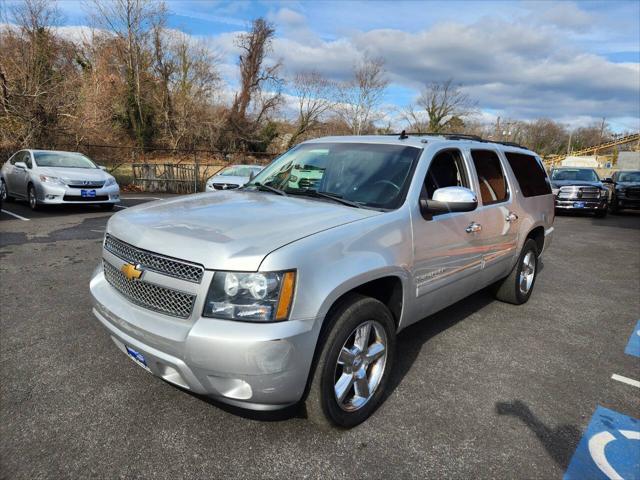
(360, 366)
(527, 272)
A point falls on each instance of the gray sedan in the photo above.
(46, 177)
(232, 177)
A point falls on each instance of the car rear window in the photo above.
(529, 173)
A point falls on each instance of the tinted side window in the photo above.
(530, 174)
(445, 170)
(493, 184)
(17, 157)
(26, 158)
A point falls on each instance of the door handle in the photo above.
(512, 217)
(473, 228)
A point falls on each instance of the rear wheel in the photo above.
(517, 287)
(354, 364)
(33, 199)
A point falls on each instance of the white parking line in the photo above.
(15, 215)
(120, 206)
(628, 381)
(143, 198)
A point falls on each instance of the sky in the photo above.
(574, 62)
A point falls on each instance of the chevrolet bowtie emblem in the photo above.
(132, 272)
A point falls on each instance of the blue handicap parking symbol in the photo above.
(633, 347)
(609, 449)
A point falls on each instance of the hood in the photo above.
(75, 174)
(577, 183)
(230, 179)
(227, 230)
(627, 184)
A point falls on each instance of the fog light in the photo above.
(51, 197)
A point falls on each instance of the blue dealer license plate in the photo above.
(87, 193)
(137, 357)
(578, 204)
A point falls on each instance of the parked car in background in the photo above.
(271, 295)
(579, 189)
(232, 177)
(48, 177)
(626, 190)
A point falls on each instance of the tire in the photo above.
(107, 207)
(346, 322)
(509, 290)
(32, 198)
(5, 193)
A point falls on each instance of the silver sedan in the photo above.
(47, 177)
(232, 177)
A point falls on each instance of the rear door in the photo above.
(496, 214)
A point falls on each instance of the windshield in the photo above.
(369, 175)
(239, 171)
(629, 177)
(581, 174)
(63, 159)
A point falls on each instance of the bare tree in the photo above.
(132, 23)
(315, 94)
(254, 74)
(442, 102)
(359, 98)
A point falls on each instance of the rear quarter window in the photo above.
(529, 173)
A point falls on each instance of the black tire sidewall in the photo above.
(529, 246)
(349, 319)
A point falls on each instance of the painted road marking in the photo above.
(609, 449)
(628, 381)
(120, 206)
(15, 215)
(144, 198)
(633, 347)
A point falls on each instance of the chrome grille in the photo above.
(149, 295)
(225, 186)
(96, 184)
(579, 192)
(152, 261)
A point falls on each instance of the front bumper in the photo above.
(624, 202)
(54, 194)
(574, 204)
(250, 365)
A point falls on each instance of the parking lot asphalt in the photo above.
(481, 390)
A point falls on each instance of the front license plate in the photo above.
(578, 204)
(87, 193)
(137, 357)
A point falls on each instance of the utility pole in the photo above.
(569, 142)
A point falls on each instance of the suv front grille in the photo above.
(225, 186)
(153, 261)
(579, 193)
(149, 295)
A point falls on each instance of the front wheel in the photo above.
(33, 199)
(354, 363)
(517, 287)
(4, 192)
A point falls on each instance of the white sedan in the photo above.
(47, 177)
(232, 177)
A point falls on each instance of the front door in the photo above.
(447, 259)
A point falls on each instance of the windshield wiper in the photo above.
(331, 196)
(268, 188)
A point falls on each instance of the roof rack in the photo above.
(454, 136)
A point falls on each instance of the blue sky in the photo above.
(575, 62)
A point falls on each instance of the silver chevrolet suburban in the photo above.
(273, 294)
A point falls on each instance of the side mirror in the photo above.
(20, 165)
(102, 167)
(607, 180)
(252, 175)
(449, 199)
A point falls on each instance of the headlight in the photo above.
(555, 191)
(110, 181)
(50, 179)
(252, 297)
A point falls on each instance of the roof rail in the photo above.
(455, 136)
